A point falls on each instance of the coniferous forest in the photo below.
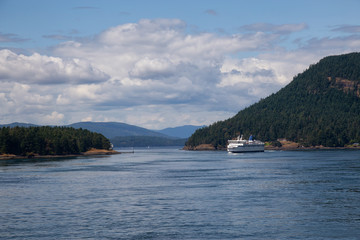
(47, 140)
(321, 106)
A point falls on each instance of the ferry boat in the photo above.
(241, 145)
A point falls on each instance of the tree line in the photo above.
(49, 140)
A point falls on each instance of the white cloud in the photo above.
(87, 119)
(54, 118)
(157, 62)
(40, 69)
(155, 74)
(24, 102)
(147, 68)
(21, 94)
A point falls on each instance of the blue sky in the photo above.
(159, 64)
(33, 20)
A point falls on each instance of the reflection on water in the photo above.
(167, 193)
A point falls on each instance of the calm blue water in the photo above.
(174, 194)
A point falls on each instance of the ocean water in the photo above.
(167, 193)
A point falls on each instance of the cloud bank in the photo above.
(156, 74)
(39, 69)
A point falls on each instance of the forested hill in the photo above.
(321, 106)
(27, 141)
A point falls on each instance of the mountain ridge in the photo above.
(184, 131)
(117, 129)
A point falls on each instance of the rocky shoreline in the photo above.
(91, 152)
(293, 146)
(285, 146)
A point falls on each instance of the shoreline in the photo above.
(285, 145)
(209, 147)
(91, 152)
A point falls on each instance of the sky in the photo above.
(160, 63)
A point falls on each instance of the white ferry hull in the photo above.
(241, 149)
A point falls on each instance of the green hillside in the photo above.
(321, 106)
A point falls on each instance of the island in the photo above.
(46, 141)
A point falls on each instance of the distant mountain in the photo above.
(321, 106)
(125, 135)
(122, 134)
(116, 129)
(180, 132)
(17, 124)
